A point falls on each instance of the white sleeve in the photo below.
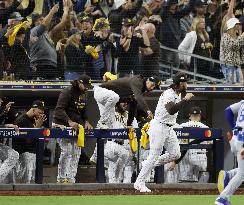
(235, 107)
(203, 126)
(185, 124)
(168, 97)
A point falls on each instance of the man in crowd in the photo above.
(10, 11)
(43, 54)
(70, 111)
(133, 37)
(150, 55)
(170, 35)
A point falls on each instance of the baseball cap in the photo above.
(38, 104)
(86, 80)
(199, 3)
(179, 77)
(195, 111)
(117, 4)
(100, 24)
(82, 16)
(156, 80)
(171, 2)
(232, 22)
(16, 16)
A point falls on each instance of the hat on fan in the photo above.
(232, 22)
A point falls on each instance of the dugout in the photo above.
(212, 100)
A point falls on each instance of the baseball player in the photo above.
(71, 111)
(161, 132)
(117, 152)
(127, 89)
(114, 150)
(193, 166)
(33, 118)
(8, 156)
(231, 180)
(122, 116)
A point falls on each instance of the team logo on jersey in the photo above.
(207, 133)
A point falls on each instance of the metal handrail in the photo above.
(194, 73)
(189, 73)
(195, 55)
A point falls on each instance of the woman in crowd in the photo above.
(230, 54)
(75, 57)
(197, 42)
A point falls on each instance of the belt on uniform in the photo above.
(168, 125)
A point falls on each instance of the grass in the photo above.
(116, 200)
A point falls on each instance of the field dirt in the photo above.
(113, 192)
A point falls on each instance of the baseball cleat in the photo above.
(222, 201)
(223, 180)
(141, 187)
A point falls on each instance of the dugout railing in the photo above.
(43, 134)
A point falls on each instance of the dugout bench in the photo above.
(184, 133)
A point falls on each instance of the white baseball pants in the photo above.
(160, 136)
(10, 158)
(68, 160)
(106, 101)
(118, 157)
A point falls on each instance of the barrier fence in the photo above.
(101, 135)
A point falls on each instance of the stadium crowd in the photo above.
(61, 39)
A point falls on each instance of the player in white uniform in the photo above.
(9, 157)
(231, 180)
(122, 117)
(193, 166)
(161, 132)
(117, 152)
(114, 150)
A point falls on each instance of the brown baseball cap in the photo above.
(86, 80)
(38, 104)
